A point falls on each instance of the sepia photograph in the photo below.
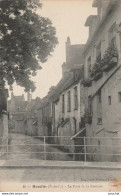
(60, 95)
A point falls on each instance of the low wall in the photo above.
(66, 131)
(105, 148)
(3, 133)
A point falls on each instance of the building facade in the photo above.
(16, 108)
(102, 82)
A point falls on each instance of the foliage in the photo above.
(109, 54)
(86, 82)
(26, 39)
(97, 67)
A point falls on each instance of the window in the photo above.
(89, 104)
(89, 65)
(109, 100)
(63, 103)
(112, 35)
(120, 35)
(99, 121)
(69, 101)
(119, 96)
(75, 98)
(113, 42)
(18, 109)
(98, 51)
(99, 108)
(99, 96)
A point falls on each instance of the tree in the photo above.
(26, 40)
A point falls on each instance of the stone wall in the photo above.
(64, 136)
(111, 122)
(3, 133)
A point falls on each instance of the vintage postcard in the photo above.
(60, 95)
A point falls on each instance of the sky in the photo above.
(68, 17)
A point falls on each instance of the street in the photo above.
(49, 173)
(26, 147)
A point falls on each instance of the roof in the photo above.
(90, 19)
(110, 8)
(67, 81)
(34, 104)
(95, 3)
(114, 128)
(74, 61)
(78, 133)
(19, 102)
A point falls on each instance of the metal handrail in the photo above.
(57, 137)
(58, 145)
(83, 151)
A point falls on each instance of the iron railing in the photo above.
(61, 148)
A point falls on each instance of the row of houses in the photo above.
(86, 103)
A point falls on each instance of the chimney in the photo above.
(29, 97)
(68, 43)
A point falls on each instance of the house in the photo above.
(16, 108)
(30, 116)
(44, 118)
(68, 106)
(102, 81)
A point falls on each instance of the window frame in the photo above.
(69, 101)
(75, 98)
(112, 35)
(119, 97)
(63, 103)
(109, 100)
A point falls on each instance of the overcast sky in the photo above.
(69, 18)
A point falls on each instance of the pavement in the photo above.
(59, 164)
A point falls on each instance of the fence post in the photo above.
(85, 155)
(44, 148)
